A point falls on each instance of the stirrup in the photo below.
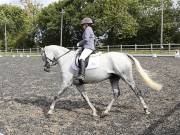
(81, 77)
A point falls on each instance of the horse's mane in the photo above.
(57, 47)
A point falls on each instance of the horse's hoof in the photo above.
(104, 114)
(146, 111)
(50, 112)
(95, 115)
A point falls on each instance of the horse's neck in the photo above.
(58, 51)
(67, 59)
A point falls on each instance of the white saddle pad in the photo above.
(93, 62)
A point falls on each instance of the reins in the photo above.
(62, 55)
(56, 59)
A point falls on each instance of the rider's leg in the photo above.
(82, 58)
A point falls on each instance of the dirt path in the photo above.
(26, 92)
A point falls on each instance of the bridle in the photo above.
(55, 60)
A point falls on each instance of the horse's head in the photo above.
(48, 59)
(51, 54)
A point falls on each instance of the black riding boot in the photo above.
(81, 75)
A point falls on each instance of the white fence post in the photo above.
(108, 48)
(17, 50)
(121, 48)
(30, 50)
(169, 47)
(135, 47)
(151, 48)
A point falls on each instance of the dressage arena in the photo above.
(26, 92)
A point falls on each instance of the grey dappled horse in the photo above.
(113, 66)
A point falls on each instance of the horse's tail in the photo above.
(152, 84)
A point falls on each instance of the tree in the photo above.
(16, 22)
(176, 22)
(32, 9)
(3, 23)
(109, 16)
(125, 22)
(149, 20)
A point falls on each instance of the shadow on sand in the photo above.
(69, 105)
(166, 131)
(44, 103)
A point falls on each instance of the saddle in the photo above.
(91, 62)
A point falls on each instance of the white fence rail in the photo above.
(143, 49)
(22, 51)
(150, 48)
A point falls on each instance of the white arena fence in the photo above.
(142, 49)
(168, 49)
(21, 51)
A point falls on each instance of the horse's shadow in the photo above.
(157, 123)
(69, 105)
(44, 103)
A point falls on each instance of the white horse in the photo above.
(112, 65)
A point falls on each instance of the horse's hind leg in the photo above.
(114, 80)
(84, 95)
(129, 80)
(139, 95)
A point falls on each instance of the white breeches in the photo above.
(85, 54)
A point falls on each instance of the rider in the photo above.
(87, 44)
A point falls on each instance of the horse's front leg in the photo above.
(66, 82)
(84, 95)
(55, 100)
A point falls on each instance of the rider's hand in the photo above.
(78, 44)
